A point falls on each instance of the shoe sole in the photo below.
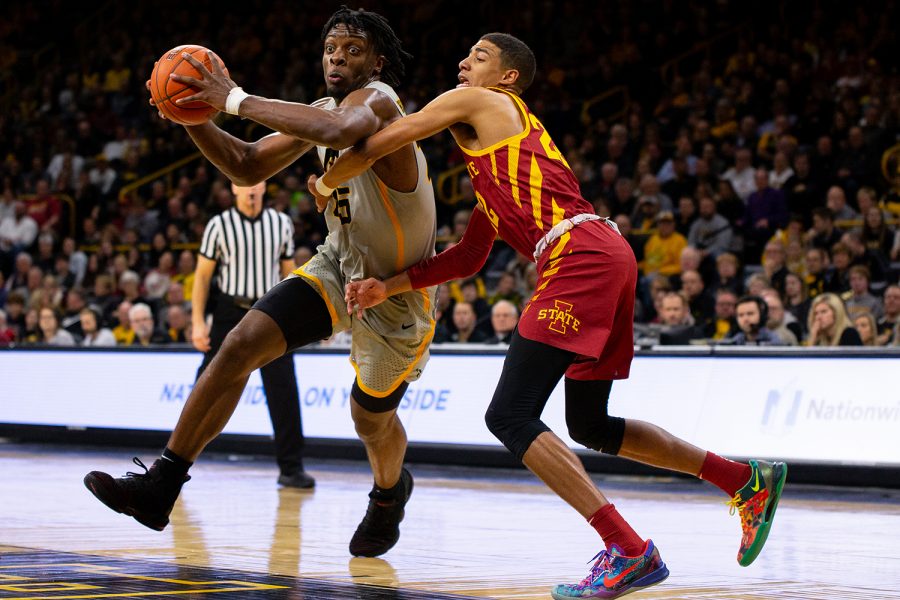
(763, 533)
(382, 550)
(655, 577)
(104, 488)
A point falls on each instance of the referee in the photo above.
(253, 248)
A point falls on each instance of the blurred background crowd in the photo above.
(742, 148)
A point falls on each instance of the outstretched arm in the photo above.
(355, 118)
(299, 126)
(247, 163)
(452, 107)
(462, 260)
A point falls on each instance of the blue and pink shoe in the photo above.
(614, 575)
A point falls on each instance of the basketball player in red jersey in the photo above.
(578, 323)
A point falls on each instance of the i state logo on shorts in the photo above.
(560, 317)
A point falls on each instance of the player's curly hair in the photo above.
(515, 54)
(379, 30)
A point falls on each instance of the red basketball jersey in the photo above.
(524, 183)
(584, 298)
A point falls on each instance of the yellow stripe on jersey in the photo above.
(563, 240)
(426, 341)
(513, 167)
(317, 283)
(494, 168)
(536, 181)
(398, 229)
(554, 259)
(559, 213)
(554, 264)
(552, 269)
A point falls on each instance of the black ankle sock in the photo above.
(172, 466)
(392, 493)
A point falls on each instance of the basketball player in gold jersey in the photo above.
(381, 222)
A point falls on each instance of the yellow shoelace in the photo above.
(734, 504)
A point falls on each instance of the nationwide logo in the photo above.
(778, 415)
(784, 409)
(561, 317)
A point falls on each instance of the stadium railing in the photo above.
(166, 172)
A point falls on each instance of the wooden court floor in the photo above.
(468, 534)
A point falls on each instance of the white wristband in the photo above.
(234, 99)
(322, 188)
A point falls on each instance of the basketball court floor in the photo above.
(468, 533)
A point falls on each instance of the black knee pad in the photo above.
(603, 436)
(514, 431)
(588, 419)
(531, 371)
(495, 423)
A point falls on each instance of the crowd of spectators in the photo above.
(755, 172)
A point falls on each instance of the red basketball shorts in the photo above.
(584, 301)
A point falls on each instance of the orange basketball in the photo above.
(165, 91)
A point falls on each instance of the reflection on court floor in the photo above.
(468, 533)
(32, 575)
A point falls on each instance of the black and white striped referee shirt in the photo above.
(248, 251)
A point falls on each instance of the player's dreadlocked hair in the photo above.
(379, 31)
(515, 54)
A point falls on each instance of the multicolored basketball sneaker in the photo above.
(756, 503)
(615, 575)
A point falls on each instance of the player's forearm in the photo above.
(462, 260)
(390, 139)
(338, 129)
(397, 284)
(247, 163)
(351, 163)
(226, 152)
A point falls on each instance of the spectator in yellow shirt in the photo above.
(123, 332)
(663, 250)
(185, 275)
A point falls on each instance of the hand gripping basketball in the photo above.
(214, 83)
(176, 100)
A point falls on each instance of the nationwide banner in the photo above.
(841, 410)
